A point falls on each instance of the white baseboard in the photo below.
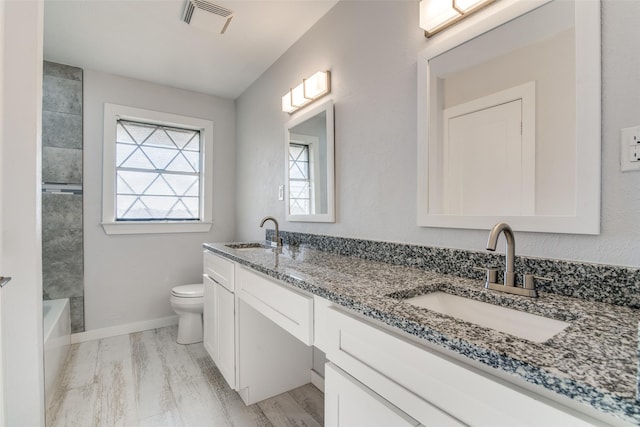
(128, 328)
(317, 380)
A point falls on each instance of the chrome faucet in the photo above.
(503, 227)
(508, 283)
(275, 240)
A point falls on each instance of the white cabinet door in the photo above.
(224, 321)
(348, 403)
(209, 338)
(219, 315)
(219, 328)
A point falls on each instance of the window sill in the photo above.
(156, 227)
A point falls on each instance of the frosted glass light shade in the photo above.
(306, 92)
(286, 103)
(297, 97)
(316, 85)
(436, 15)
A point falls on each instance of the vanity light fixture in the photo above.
(306, 92)
(436, 15)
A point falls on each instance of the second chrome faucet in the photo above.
(510, 256)
(508, 284)
(276, 240)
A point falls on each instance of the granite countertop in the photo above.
(594, 361)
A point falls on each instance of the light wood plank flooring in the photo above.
(145, 379)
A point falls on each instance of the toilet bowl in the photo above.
(188, 301)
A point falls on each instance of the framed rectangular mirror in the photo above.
(509, 120)
(309, 174)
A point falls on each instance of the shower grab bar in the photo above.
(57, 188)
(4, 280)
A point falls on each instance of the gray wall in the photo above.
(62, 252)
(373, 66)
(128, 278)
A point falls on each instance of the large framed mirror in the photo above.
(509, 120)
(309, 174)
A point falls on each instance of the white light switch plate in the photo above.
(281, 192)
(630, 149)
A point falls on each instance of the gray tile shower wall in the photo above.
(62, 245)
(62, 124)
(61, 165)
(62, 234)
(64, 130)
(594, 282)
(77, 314)
(62, 88)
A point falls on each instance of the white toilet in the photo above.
(188, 301)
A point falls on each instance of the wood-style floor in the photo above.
(145, 379)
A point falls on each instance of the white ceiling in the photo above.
(147, 39)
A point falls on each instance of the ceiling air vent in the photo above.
(207, 15)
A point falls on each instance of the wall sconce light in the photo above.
(306, 92)
(436, 15)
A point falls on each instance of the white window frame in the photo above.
(113, 113)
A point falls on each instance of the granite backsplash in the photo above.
(594, 282)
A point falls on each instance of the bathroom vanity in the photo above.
(395, 363)
(257, 331)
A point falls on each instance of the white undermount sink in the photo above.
(523, 325)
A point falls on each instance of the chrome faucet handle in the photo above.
(490, 274)
(529, 280)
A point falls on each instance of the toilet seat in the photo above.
(188, 291)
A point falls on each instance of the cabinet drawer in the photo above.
(291, 310)
(350, 404)
(430, 387)
(219, 269)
